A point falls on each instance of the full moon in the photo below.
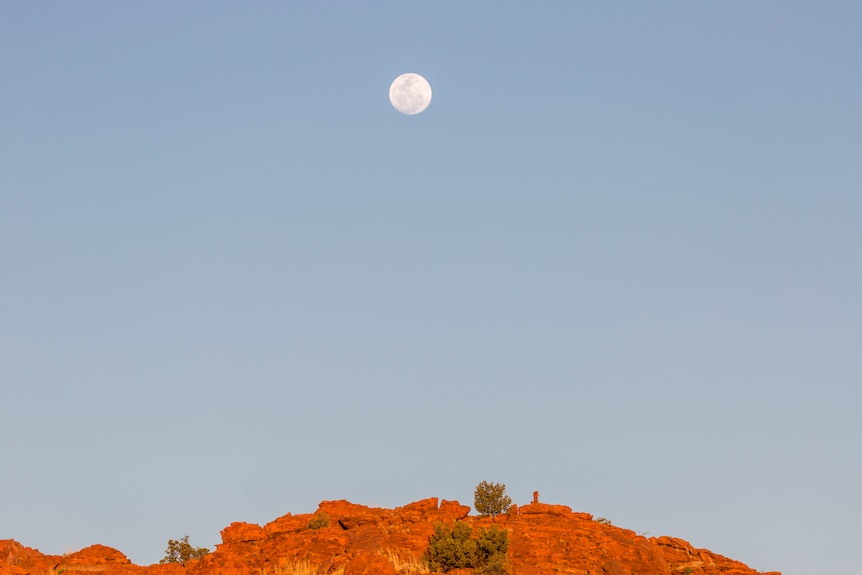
(410, 94)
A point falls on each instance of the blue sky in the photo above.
(615, 261)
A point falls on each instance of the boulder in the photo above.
(452, 511)
(418, 510)
(286, 524)
(545, 509)
(350, 515)
(239, 532)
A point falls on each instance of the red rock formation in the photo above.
(242, 533)
(360, 540)
(15, 559)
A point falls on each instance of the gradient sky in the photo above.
(617, 261)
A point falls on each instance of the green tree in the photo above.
(496, 565)
(182, 552)
(454, 547)
(493, 543)
(451, 547)
(491, 499)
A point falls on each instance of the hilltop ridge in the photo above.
(359, 540)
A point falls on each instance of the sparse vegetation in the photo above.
(303, 567)
(182, 552)
(603, 521)
(496, 565)
(454, 547)
(320, 520)
(406, 563)
(491, 499)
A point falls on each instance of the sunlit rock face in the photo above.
(343, 538)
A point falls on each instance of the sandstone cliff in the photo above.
(360, 540)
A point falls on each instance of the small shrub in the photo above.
(320, 520)
(491, 542)
(453, 547)
(496, 565)
(182, 552)
(603, 521)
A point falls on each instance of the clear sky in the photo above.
(617, 260)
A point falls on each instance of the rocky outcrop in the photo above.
(242, 533)
(687, 559)
(15, 559)
(343, 538)
(95, 555)
(545, 509)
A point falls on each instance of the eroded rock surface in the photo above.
(353, 539)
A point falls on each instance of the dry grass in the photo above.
(304, 567)
(406, 563)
